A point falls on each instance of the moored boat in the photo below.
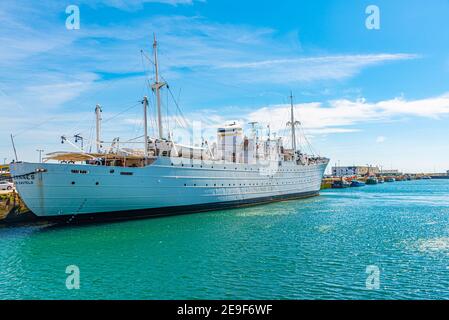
(372, 181)
(167, 177)
(356, 183)
(340, 184)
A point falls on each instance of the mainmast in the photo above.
(156, 87)
(98, 127)
(293, 123)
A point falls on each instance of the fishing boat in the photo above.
(340, 184)
(390, 179)
(356, 183)
(165, 177)
(372, 180)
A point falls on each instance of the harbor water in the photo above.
(318, 248)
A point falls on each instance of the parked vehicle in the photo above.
(6, 185)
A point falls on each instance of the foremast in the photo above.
(156, 86)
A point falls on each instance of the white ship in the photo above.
(165, 177)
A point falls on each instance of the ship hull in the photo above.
(171, 211)
(83, 192)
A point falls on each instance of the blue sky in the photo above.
(377, 97)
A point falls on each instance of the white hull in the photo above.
(69, 189)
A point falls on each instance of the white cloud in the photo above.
(340, 115)
(380, 139)
(311, 68)
(137, 4)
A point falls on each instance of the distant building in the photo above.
(391, 173)
(354, 171)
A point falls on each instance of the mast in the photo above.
(98, 127)
(255, 137)
(145, 125)
(14, 147)
(292, 123)
(156, 87)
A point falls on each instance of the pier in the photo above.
(342, 176)
(13, 210)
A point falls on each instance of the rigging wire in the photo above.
(121, 112)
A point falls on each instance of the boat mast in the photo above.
(292, 123)
(98, 126)
(145, 125)
(156, 87)
(255, 137)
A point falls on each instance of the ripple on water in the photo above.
(310, 249)
(325, 228)
(433, 245)
(264, 211)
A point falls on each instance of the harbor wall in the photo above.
(12, 208)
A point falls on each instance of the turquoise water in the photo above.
(317, 248)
